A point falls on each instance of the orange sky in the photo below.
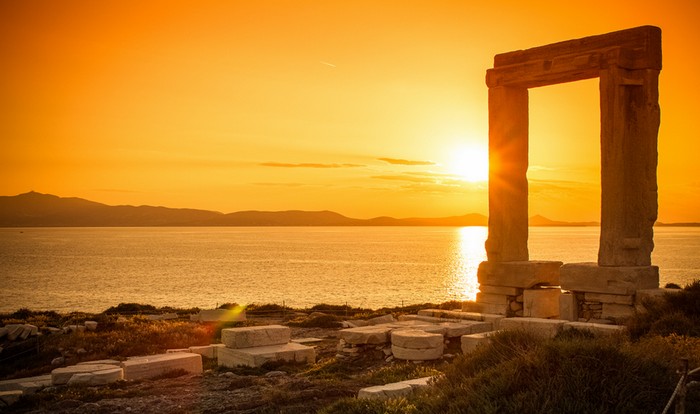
(361, 107)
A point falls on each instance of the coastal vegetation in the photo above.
(573, 372)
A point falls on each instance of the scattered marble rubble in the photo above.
(395, 389)
(419, 337)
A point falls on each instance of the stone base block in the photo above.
(519, 274)
(155, 365)
(470, 342)
(544, 327)
(492, 299)
(102, 377)
(457, 329)
(596, 328)
(568, 307)
(366, 335)
(384, 392)
(207, 351)
(418, 383)
(617, 313)
(413, 354)
(256, 357)
(541, 303)
(255, 336)
(7, 398)
(27, 385)
(501, 290)
(388, 318)
(417, 339)
(463, 315)
(589, 277)
(102, 361)
(63, 375)
(489, 308)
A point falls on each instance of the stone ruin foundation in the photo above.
(627, 63)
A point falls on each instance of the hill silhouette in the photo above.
(45, 210)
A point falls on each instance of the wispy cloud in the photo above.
(330, 65)
(280, 184)
(308, 165)
(399, 161)
(404, 178)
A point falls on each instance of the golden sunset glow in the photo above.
(470, 163)
(367, 108)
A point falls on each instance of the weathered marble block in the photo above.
(207, 351)
(541, 303)
(524, 274)
(611, 280)
(367, 335)
(417, 354)
(416, 339)
(385, 392)
(256, 357)
(253, 336)
(155, 365)
(63, 375)
(470, 342)
(568, 307)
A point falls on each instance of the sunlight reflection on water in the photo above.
(469, 254)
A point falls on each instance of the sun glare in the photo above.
(470, 164)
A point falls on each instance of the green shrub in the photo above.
(673, 313)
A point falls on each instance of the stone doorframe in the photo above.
(628, 63)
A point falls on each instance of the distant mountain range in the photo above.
(44, 210)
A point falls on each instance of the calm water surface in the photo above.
(91, 269)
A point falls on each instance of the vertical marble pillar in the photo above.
(508, 158)
(630, 117)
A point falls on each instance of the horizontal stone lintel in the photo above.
(645, 41)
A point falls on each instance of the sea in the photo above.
(91, 269)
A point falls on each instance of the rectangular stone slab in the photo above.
(413, 354)
(155, 365)
(523, 274)
(60, 376)
(17, 383)
(253, 336)
(472, 341)
(541, 303)
(613, 280)
(207, 351)
(256, 357)
(363, 335)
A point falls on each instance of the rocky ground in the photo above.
(272, 389)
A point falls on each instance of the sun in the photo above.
(470, 163)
